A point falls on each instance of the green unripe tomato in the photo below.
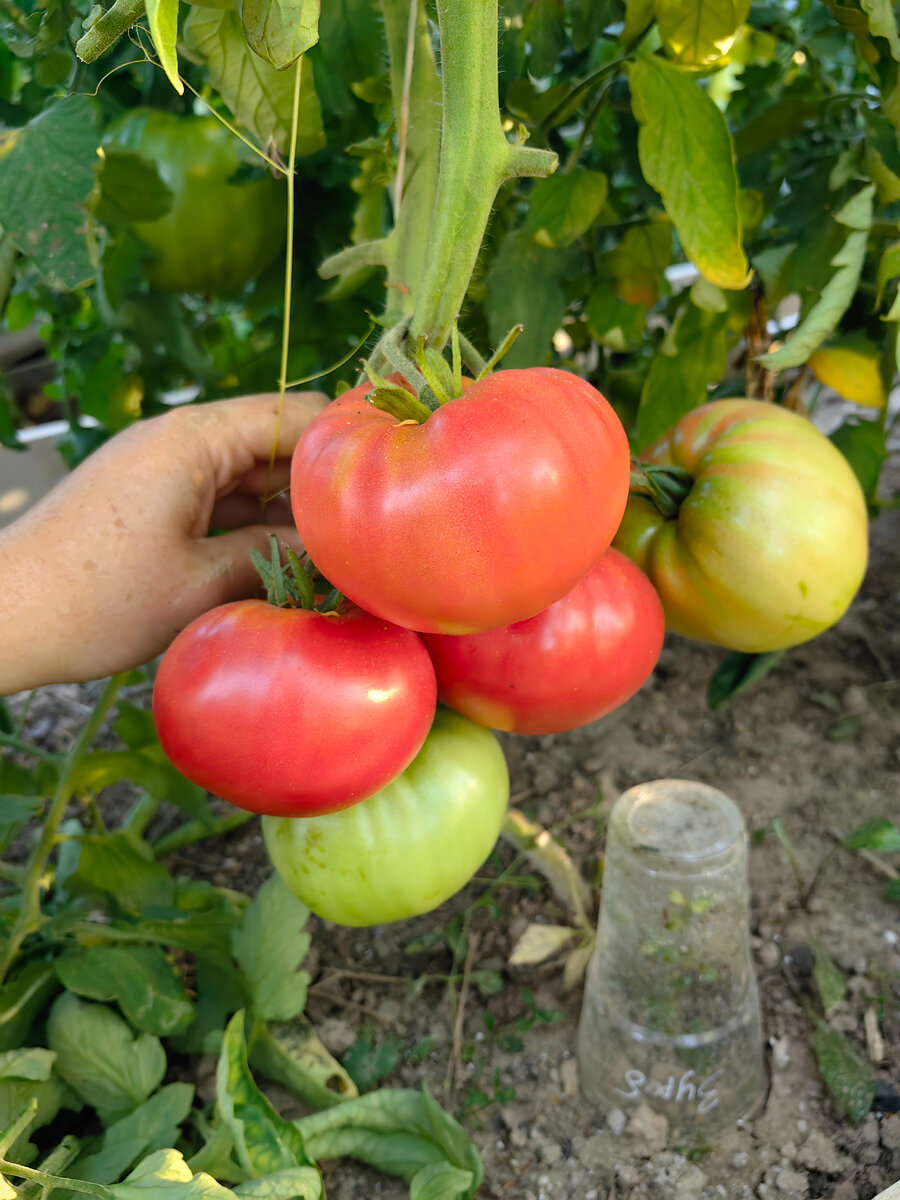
(409, 847)
(219, 232)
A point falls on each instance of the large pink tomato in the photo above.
(485, 513)
(292, 712)
(572, 663)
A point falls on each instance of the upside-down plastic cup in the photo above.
(671, 1009)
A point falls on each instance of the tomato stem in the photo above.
(504, 348)
(667, 487)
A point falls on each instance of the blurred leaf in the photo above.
(540, 942)
(882, 23)
(875, 834)
(888, 269)
(100, 1059)
(892, 890)
(139, 978)
(564, 206)
(148, 768)
(686, 154)
(846, 1075)
(829, 980)
(549, 856)
(152, 1126)
(638, 16)
(612, 321)
(524, 284)
(577, 964)
(47, 172)
(117, 866)
(260, 97)
(545, 32)
(368, 1060)
(16, 1092)
(690, 357)
(290, 1053)
(887, 183)
(638, 262)
(737, 672)
(440, 1181)
(27, 1062)
(853, 370)
(23, 997)
(162, 17)
(295, 1183)
(397, 1131)
(263, 1142)
(863, 445)
(698, 32)
(280, 30)
(835, 299)
(350, 37)
(15, 813)
(488, 982)
(130, 189)
(270, 945)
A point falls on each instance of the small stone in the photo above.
(568, 1073)
(890, 1132)
(551, 1152)
(740, 1160)
(819, 1153)
(770, 955)
(781, 1057)
(868, 1132)
(788, 1151)
(844, 1191)
(793, 1183)
(650, 1128)
(616, 1120)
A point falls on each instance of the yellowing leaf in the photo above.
(852, 371)
(698, 32)
(162, 16)
(538, 943)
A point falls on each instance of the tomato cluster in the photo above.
(471, 546)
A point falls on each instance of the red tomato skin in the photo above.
(576, 661)
(290, 712)
(487, 512)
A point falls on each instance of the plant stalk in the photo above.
(29, 919)
(476, 159)
(107, 31)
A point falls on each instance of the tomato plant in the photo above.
(407, 849)
(574, 662)
(292, 711)
(483, 514)
(769, 545)
(220, 231)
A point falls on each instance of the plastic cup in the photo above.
(671, 1008)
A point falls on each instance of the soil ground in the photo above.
(816, 744)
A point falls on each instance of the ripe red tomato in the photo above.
(572, 663)
(292, 712)
(770, 545)
(407, 849)
(491, 509)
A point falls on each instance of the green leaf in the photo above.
(828, 978)
(888, 269)
(545, 32)
(152, 1126)
(47, 172)
(264, 1143)
(837, 294)
(349, 32)
(164, 1175)
(369, 1060)
(28, 1062)
(882, 23)
(147, 767)
(524, 284)
(698, 32)
(100, 1058)
(440, 1181)
(875, 834)
(162, 17)
(690, 357)
(280, 30)
(140, 978)
(15, 1095)
(686, 154)
(116, 866)
(564, 206)
(22, 998)
(399, 1132)
(15, 813)
(612, 321)
(296, 1183)
(260, 97)
(290, 1053)
(863, 445)
(638, 262)
(135, 726)
(638, 16)
(737, 672)
(846, 1075)
(269, 946)
(130, 189)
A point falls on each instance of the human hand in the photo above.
(101, 574)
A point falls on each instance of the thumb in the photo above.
(228, 572)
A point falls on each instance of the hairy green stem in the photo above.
(407, 244)
(107, 31)
(476, 159)
(29, 919)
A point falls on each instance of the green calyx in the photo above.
(667, 487)
(291, 585)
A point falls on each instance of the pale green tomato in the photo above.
(409, 847)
